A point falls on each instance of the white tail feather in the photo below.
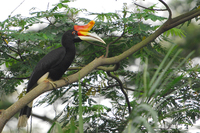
(30, 104)
(22, 121)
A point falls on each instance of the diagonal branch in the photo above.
(10, 56)
(13, 50)
(181, 19)
(17, 7)
(44, 118)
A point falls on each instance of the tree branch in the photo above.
(10, 56)
(17, 7)
(107, 48)
(181, 19)
(96, 44)
(150, 8)
(16, 51)
(109, 69)
(91, 53)
(14, 78)
(122, 89)
(168, 9)
(44, 118)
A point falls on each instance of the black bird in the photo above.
(53, 65)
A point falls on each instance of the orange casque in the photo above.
(83, 29)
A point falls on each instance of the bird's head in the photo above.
(81, 33)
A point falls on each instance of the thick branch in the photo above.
(12, 110)
(181, 19)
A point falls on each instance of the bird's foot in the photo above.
(101, 56)
(65, 79)
(52, 83)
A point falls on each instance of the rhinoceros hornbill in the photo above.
(53, 65)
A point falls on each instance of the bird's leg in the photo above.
(65, 79)
(51, 82)
(45, 79)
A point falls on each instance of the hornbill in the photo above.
(53, 65)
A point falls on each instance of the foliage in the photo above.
(163, 95)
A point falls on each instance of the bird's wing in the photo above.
(49, 61)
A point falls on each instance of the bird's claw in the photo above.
(66, 79)
(54, 85)
(102, 56)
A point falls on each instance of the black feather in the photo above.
(55, 62)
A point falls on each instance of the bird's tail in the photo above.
(24, 115)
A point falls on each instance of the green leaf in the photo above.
(176, 31)
(60, 5)
(45, 36)
(80, 107)
(72, 125)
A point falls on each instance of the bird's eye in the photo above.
(73, 32)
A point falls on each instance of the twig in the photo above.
(10, 56)
(12, 50)
(96, 44)
(18, 52)
(49, 21)
(168, 9)
(150, 8)
(126, 88)
(107, 48)
(14, 78)
(122, 89)
(44, 118)
(17, 7)
(89, 53)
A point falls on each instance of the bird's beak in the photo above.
(83, 33)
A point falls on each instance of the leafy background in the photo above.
(163, 94)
